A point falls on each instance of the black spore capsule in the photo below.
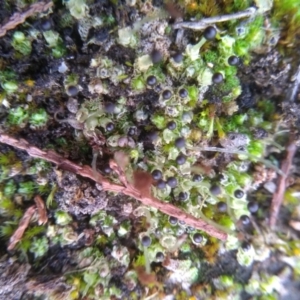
(245, 246)
(110, 127)
(46, 24)
(183, 93)
(217, 78)
(72, 90)
(239, 194)
(253, 207)
(161, 184)
(151, 80)
(197, 238)
(233, 60)
(156, 175)
(222, 207)
(109, 107)
(180, 159)
(245, 220)
(172, 182)
(160, 256)
(107, 169)
(156, 56)
(173, 220)
(146, 241)
(182, 196)
(180, 143)
(166, 94)
(171, 125)
(215, 190)
(197, 178)
(178, 57)
(210, 33)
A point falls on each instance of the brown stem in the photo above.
(278, 195)
(19, 18)
(129, 190)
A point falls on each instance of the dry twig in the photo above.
(295, 86)
(19, 18)
(278, 195)
(128, 190)
(18, 234)
(203, 23)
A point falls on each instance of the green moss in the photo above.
(39, 247)
(38, 118)
(21, 44)
(211, 57)
(7, 230)
(18, 116)
(27, 188)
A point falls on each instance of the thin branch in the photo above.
(128, 190)
(278, 195)
(19, 18)
(295, 86)
(238, 152)
(202, 24)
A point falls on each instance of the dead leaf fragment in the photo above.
(43, 218)
(295, 225)
(17, 236)
(142, 182)
(146, 278)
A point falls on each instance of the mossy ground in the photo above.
(60, 88)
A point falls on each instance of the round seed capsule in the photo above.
(217, 78)
(180, 159)
(233, 60)
(166, 94)
(110, 127)
(197, 178)
(180, 143)
(253, 207)
(239, 194)
(182, 196)
(72, 90)
(245, 220)
(215, 190)
(146, 241)
(222, 207)
(178, 57)
(172, 182)
(161, 184)
(173, 220)
(197, 238)
(210, 33)
(156, 175)
(171, 125)
(183, 93)
(151, 80)
(156, 56)
(160, 256)
(109, 107)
